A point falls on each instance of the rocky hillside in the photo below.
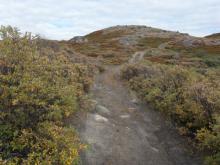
(115, 45)
(214, 36)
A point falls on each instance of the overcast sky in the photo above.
(56, 19)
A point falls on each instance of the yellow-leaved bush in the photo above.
(36, 94)
(189, 96)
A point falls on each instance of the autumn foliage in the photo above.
(36, 94)
(190, 97)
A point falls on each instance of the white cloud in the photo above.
(56, 19)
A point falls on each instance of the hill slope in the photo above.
(214, 36)
(115, 45)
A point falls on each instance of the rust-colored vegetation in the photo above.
(104, 45)
(152, 42)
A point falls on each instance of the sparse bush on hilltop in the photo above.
(188, 97)
(36, 95)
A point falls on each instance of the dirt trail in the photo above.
(121, 131)
(136, 57)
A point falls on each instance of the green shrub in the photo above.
(188, 96)
(36, 94)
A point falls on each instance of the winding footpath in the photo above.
(121, 131)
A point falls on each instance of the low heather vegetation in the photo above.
(44, 83)
(190, 97)
(37, 94)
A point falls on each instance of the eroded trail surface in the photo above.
(121, 131)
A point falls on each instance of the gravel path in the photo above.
(121, 131)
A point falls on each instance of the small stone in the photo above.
(131, 110)
(101, 109)
(134, 101)
(125, 116)
(154, 149)
(128, 128)
(100, 118)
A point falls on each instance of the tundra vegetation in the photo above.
(189, 96)
(42, 85)
(37, 93)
